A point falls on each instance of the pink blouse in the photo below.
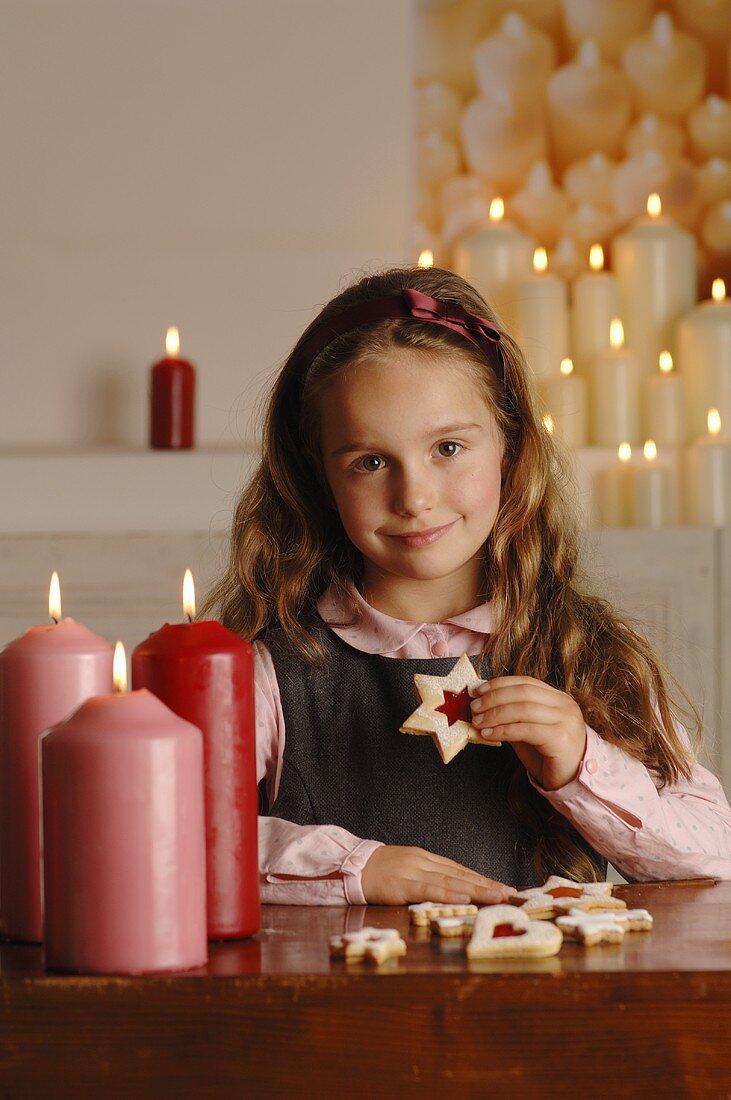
(680, 831)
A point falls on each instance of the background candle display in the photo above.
(494, 259)
(615, 392)
(541, 312)
(44, 674)
(204, 673)
(124, 837)
(707, 489)
(704, 358)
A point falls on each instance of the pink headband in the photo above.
(409, 303)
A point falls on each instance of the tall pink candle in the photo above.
(124, 839)
(44, 675)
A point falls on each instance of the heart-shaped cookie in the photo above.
(502, 931)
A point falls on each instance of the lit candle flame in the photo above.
(540, 259)
(119, 668)
(616, 333)
(624, 452)
(426, 258)
(172, 341)
(650, 450)
(54, 598)
(718, 290)
(497, 210)
(548, 423)
(666, 362)
(189, 596)
(596, 257)
(714, 421)
(566, 367)
(654, 205)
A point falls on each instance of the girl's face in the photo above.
(412, 455)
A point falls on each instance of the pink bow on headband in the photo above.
(450, 315)
(409, 303)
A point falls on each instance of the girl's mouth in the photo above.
(423, 538)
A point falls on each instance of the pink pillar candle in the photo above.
(44, 674)
(124, 839)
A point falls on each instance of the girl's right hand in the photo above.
(396, 875)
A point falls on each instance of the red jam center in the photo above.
(564, 892)
(456, 706)
(501, 930)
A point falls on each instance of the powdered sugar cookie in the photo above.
(423, 912)
(591, 929)
(444, 712)
(559, 895)
(449, 928)
(375, 944)
(502, 931)
(635, 920)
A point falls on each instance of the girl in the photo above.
(409, 508)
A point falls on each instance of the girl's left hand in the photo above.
(545, 726)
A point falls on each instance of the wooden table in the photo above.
(274, 1016)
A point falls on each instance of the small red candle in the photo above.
(204, 673)
(123, 837)
(172, 398)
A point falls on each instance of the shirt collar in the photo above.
(376, 632)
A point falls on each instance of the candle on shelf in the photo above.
(707, 480)
(595, 301)
(172, 398)
(667, 69)
(609, 25)
(438, 158)
(704, 359)
(590, 180)
(612, 490)
(714, 181)
(662, 135)
(615, 392)
(664, 404)
(426, 258)
(655, 263)
(465, 204)
(44, 674)
(437, 107)
(588, 105)
(564, 396)
(493, 259)
(566, 260)
(124, 837)
(541, 317)
(204, 673)
(653, 494)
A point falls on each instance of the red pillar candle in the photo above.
(124, 837)
(204, 673)
(172, 397)
(44, 675)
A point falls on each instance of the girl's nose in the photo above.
(413, 493)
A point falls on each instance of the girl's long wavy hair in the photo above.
(288, 545)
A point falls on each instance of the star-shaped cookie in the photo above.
(444, 712)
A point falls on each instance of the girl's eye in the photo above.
(449, 448)
(368, 463)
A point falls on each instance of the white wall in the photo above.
(222, 165)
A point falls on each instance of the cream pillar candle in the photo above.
(541, 308)
(588, 223)
(664, 404)
(709, 128)
(437, 107)
(565, 397)
(655, 263)
(493, 259)
(707, 480)
(710, 21)
(502, 137)
(667, 69)
(539, 206)
(653, 132)
(615, 392)
(595, 302)
(465, 207)
(437, 159)
(591, 180)
(612, 490)
(704, 359)
(610, 24)
(653, 495)
(674, 178)
(518, 58)
(714, 181)
(588, 103)
(566, 260)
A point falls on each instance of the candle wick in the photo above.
(55, 620)
(189, 617)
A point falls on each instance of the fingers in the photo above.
(450, 875)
